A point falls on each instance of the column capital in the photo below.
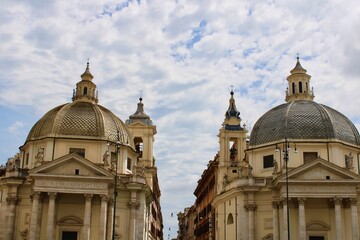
(35, 196)
(88, 197)
(104, 197)
(111, 201)
(250, 207)
(52, 195)
(353, 201)
(301, 201)
(275, 204)
(337, 200)
(134, 204)
(12, 200)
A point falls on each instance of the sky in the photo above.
(184, 57)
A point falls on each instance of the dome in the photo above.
(303, 119)
(83, 118)
(80, 120)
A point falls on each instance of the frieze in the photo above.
(71, 185)
(322, 189)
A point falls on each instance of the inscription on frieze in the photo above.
(322, 189)
(70, 184)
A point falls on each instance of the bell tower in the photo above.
(232, 139)
(299, 84)
(86, 88)
(143, 131)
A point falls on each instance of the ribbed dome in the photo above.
(86, 120)
(303, 119)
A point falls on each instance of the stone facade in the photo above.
(296, 177)
(80, 176)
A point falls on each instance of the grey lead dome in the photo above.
(303, 120)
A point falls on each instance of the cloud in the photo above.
(16, 127)
(184, 56)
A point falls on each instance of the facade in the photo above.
(82, 173)
(297, 176)
(186, 224)
(205, 193)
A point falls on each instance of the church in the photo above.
(296, 176)
(83, 174)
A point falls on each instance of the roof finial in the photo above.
(297, 56)
(232, 90)
(88, 63)
(141, 95)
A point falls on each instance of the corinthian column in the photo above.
(302, 221)
(338, 219)
(251, 209)
(285, 216)
(103, 210)
(354, 219)
(110, 218)
(34, 215)
(50, 217)
(276, 220)
(87, 217)
(12, 201)
(133, 205)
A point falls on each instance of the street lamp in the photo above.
(285, 151)
(117, 146)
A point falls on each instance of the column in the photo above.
(241, 219)
(103, 211)
(51, 216)
(251, 209)
(133, 205)
(285, 223)
(338, 219)
(12, 201)
(39, 216)
(34, 215)
(87, 216)
(302, 220)
(276, 220)
(354, 219)
(110, 218)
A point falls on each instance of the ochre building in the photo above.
(82, 173)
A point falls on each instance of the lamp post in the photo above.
(117, 146)
(286, 150)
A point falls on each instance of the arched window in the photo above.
(85, 91)
(300, 87)
(138, 145)
(293, 88)
(230, 219)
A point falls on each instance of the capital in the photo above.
(134, 204)
(88, 197)
(52, 195)
(12, 200)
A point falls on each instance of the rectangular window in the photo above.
(80, 151)
(268, 161)
(309, 156)
(113, 157)
(128, 165)
(27, 159)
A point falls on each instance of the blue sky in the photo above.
(184, 56)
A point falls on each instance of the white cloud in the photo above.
(185, 75)
(16, 127)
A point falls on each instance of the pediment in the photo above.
(71, 165)
(319, 170)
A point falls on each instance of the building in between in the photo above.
(83, 173)
(296, 177)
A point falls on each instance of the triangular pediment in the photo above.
(319, 170)
(71, 165)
